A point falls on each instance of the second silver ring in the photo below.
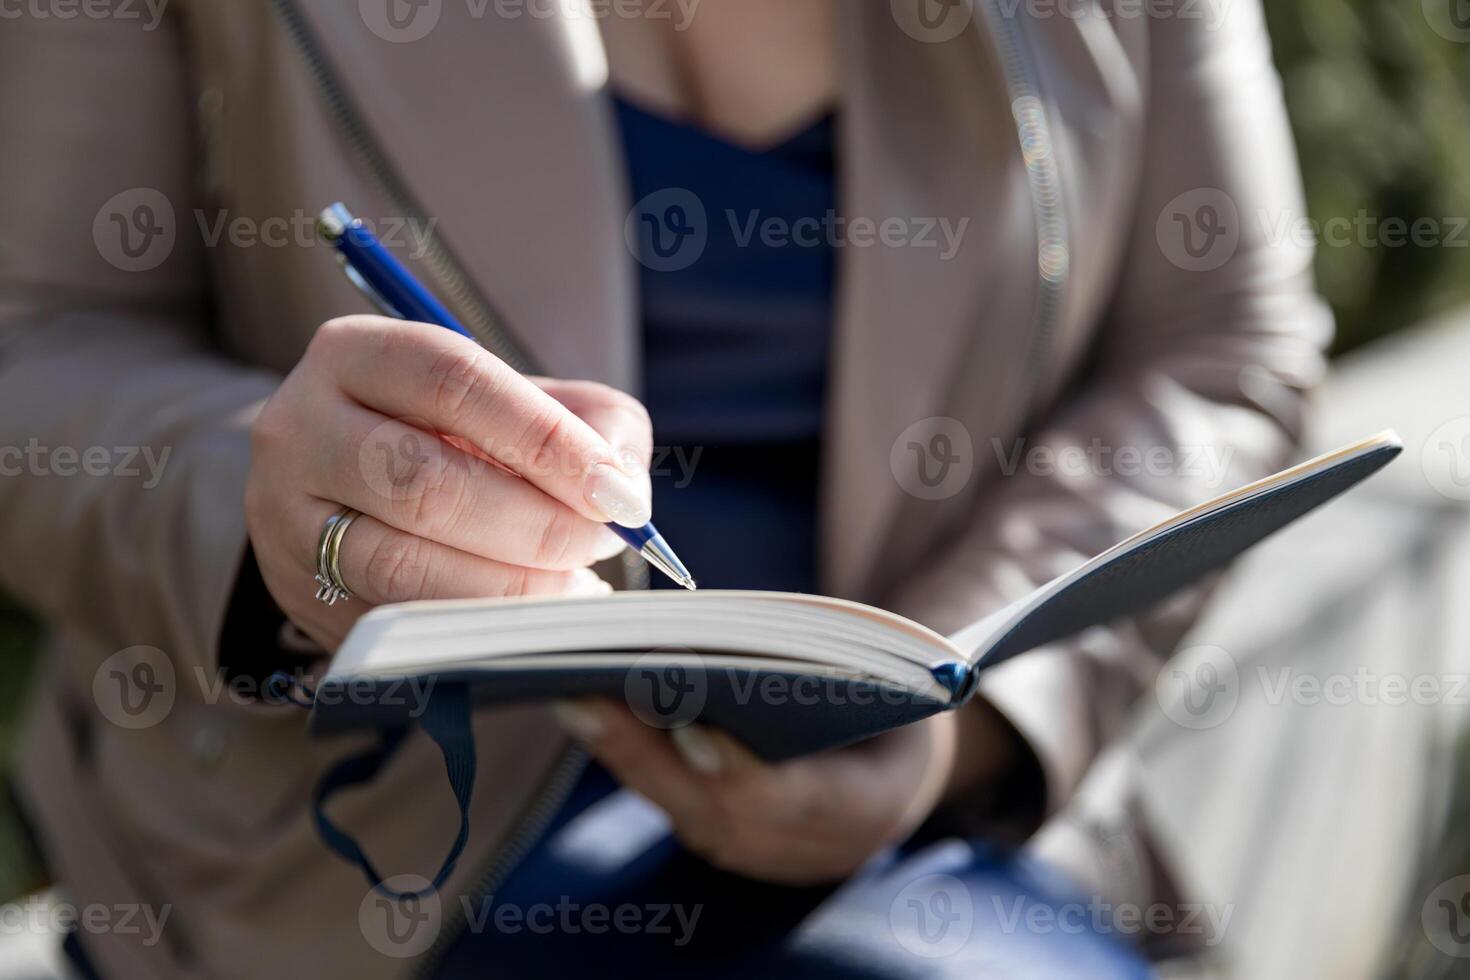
(330, 587)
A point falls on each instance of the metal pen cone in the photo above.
(657, 553)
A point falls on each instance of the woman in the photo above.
(1048, 231)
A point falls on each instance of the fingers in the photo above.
(381, 564)
(806, 821)
(645, 761)
(618, 417)
(725, 804)
(418, 371)
(422, 485)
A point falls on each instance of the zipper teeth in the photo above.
(1039, 155)
(532, 823)
(444, 268)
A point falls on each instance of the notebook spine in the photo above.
(958, 678)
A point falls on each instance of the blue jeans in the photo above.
(608, 891)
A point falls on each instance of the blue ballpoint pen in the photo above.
(390, 286)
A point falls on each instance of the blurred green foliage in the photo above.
(1380, 103)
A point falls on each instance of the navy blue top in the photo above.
(735, 341)
(736, 320)
(735, 277)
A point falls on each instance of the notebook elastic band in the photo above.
(446, 720)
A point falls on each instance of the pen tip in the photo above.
(658, 554)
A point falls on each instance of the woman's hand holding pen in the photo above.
(470, 479)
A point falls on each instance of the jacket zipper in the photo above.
(488, 329)
(529, 828)
(1038, 151)
(445, 270)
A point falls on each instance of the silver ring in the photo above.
(330, 587)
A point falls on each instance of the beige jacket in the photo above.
(1075, 313)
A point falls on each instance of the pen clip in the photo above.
(366, 288)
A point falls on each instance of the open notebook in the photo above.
(790, 674)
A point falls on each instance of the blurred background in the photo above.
(1379, 95)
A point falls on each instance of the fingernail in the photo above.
(576, 719)
(587, 582)
(622, 498)
(697, 748)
